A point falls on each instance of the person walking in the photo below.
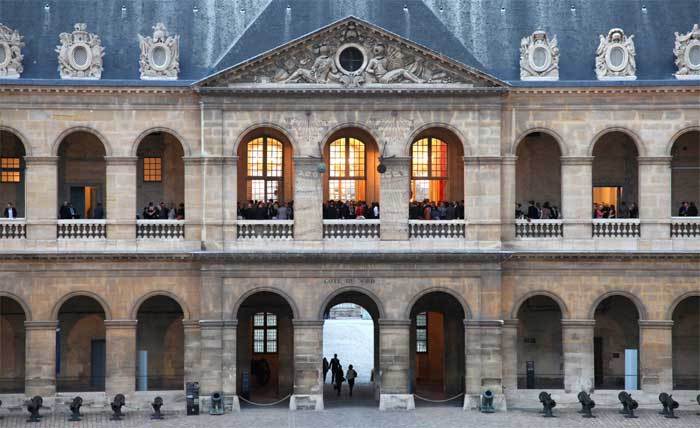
(335, 363)
(326, 367)
(339, 379)
(350, 376)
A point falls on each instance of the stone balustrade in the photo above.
(685, 227)
(265, 229)
(436, 229)
(539, 228)
(82, 229)
(160, 229)
(351, 229)
(13, 229)
(616, 228)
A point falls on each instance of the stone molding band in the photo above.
(394, 323)
(40, 325)
(125, 324)
(656, 324)
(577, 323)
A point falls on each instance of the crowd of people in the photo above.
(67, 212)
(431, 210)
(162, 212)
(270, 210)
(350, 210)
(337, 374)
(688, 209)
(609, 210)
(537, 211)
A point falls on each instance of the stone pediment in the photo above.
(350, 53)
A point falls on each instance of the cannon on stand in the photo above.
(157, 404)
(487, 402)
(0, 406)
(629, 405)
(547, 404)
(33, 407)
(75, 409)
(698, 400)
(587, 404)
(217, 404)
(669, 405)
(117, 404)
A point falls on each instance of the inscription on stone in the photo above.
(349, 281)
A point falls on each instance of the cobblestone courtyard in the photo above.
(359, 417)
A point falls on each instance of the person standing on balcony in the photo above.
(10, 211)
(692, 210)
(99, 212)
(162, 211)
(546, 211)
(532, 212)
(624, 211)
(683, 210)
(67, 212)
(634, 211)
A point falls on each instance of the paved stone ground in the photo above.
(362, 417)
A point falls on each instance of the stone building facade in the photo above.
(121, 304)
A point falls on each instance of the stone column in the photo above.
(213, 212)
(228, 362)
(482, 201)
(577, 346)
(120, 338)
(194, 167)
(577, 196)
(229, 198)
(211, 351)
(395, 193)
(394, 362)
(656, 355)
(510, 355)
(655, 197)
(41, 197)
(308, 373)
(508, 196)
(40, 359)
(120, 206)
(485, 370)
(308, 200)
(192, 350)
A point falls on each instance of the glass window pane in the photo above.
(152, 169)
(337, 158)
(259, 319)
(272, 190)
(257, 190)
(421, 346)
(420, 189)
(259, 347)
(419, 158)
(274, 158)
(271, 347)
(271, 320)
(256, 151)
(356, 158)
(438, 161)
(421, 319)
(421, 334)
(271, 334)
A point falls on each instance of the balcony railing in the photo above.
(265, 229)
(616, 228)
(685, 227)
(436, 229)
(160, 229)
(539, 228)
(82, 229)
(351, 229)
(13, 229)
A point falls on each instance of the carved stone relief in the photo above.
(615, 57)
(539, 57)
(10, 53)
(80, 54)
(687, 51)
(160, 55)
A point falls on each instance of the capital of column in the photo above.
(121, 160)
(231, 323)
(509, 160)
(576, 160)
(577, 323)
(307, 323)
(120, 324)
(654, 160)
(40, 325)
(194, 160)
(482, 160)
(394, 323)
(474, 324)
(40, 160)
(513, 323)
(229, 160)
(190, 324)
(212, 324)
(656, 324)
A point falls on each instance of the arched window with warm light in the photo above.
(265, 178)
(429, 169)
(347, 172)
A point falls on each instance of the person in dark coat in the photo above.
(339, 379)
(692, 210)
(351, 375)
(335, 363)
(532, 211)
(10, 211)
(99, 212)
(326, 367)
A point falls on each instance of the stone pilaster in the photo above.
(40, 359)
(228, 362)
(484, 362)
(229, 198)
(654, 197)
(656, 355)
(308, 373)
(577, 346)
(120, 338)
(508, 197)
(482, 200)
(394, 196)
(577, 196)
(41, 197)
(192, 350)
(308, 200)
(194, 168)
(213, 213)
(510, 354)
(120, 206)
(394, 362)
(211, 352)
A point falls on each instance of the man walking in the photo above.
(350, 376)
(335, 363)
(339, 379)
(326, 366)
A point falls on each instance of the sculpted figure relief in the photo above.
(323, 70)
(615, 57)
(160, 57)
(386, 72)
(687, 51)
(10, 53)
(539, 57)
(80, 54)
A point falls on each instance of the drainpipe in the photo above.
(204, 177)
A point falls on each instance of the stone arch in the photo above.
(558, 300)
(259, 127)
(467, 149)
(639, 144)
(62, 136)
(563, 148)
(20, 302)
(361, 290)
(186, 147)
(350, 125)
(133, 314)
(286, 297)
(641, 309)
(101, 301)
(678, 300)
(676, 136)
(20, 136)
(465, 306)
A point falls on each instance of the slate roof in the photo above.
(485, 34)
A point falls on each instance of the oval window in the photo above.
(540, 57)
(693, 56)
(617, 57)
(160, 56)
(80, 56)
(351, 59)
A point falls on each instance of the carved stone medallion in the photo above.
(10, 53)
(160, 55)
(539, 57)
(615, 57)
(80, 54)
(687, 51)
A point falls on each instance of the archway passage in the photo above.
(540, 353)
(351, 334)
(12, 340)
(12, 174)
(538, 176)
(81, 177)
(616, 344)
(80, 345)
(437, 346)
(265, 348)
(160, 182)
(686, 344)
(685, 175)
(615, 177)
(160, 345)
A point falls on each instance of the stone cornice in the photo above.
(654, 160)
(656, 324)
(577, 323)
(40, 160)
(94, 90)
(432, 90)
(120, 324)
(576, 160)
(209, 160)
(604, 90)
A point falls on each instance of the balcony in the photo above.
(436, 229)
(526, 229)
(616, 228)
(160, 229)
(351, 229)
(685, 227)
(265, 229)
(81, 229)
(13, 229)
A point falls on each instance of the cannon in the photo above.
(487, 402)
(547, 404)
(33, 407)
(157, 404)
(0, 406)
(629, 405)
(75, 409)
(587, 404)
(217, 404)
(698, 400)
(117, 404)
(669, 405)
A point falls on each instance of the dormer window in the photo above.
(10, 53)
(687, 51)
(80, 54)
(159, 55)
(539, 57)
(615, 57)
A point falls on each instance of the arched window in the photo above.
(265, 173)
(428, 169)
(347, 170)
